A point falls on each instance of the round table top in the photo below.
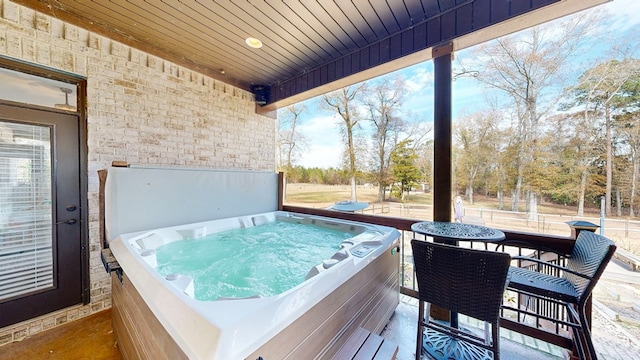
(349, 206)
(458, 231)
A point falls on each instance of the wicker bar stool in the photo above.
(466, 281)
(568, 287)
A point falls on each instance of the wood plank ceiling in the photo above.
(309, 46)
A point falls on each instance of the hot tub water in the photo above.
(262, 260)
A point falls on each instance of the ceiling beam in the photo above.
(380, 59)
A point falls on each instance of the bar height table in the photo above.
(451, 233)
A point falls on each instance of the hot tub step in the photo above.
(363, 344)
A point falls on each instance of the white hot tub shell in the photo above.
(155, 316)
(235, 328)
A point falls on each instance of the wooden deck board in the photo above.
(365, 345)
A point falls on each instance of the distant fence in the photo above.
(626, 233)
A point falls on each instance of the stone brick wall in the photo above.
(140, 109)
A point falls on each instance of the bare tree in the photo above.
(475, 135)
(631, 134)
(290, 142)
(628, 126)
(383, 101)
(343, 102)
(524, 66)
(585, 146)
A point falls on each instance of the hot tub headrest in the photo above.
(139, 198)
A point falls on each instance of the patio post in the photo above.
(442, 56)
(442, 145)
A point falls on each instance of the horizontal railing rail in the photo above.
(551, 247)
(621, 230)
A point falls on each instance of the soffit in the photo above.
(301, 38)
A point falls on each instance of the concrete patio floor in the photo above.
(93, 337)
(611, 341)
(402, 330)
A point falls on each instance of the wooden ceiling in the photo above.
(309, 46)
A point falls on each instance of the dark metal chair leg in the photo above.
(420, 329)
(586, 334)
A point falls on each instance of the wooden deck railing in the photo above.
(549, 247)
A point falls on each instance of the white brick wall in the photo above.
(141, 109)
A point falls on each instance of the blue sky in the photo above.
(321, 129)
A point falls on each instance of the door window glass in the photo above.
(26, 256)
(35, 90)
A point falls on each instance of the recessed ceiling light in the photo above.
(253, 42)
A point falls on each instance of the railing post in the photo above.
(626, 228)
(579, 225)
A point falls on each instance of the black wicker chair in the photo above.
(465, 281)
(569, 287)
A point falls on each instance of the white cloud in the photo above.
(321, 156)
(625, 14)
(324, 139)
(419, 77)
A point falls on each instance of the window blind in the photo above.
(26, 253)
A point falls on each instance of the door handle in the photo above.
(68, 222)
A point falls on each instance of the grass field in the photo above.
(315, 195)
(551, 219)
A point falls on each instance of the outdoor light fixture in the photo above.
(261, 93)
(253, 42)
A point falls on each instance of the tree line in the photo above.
(553, 126)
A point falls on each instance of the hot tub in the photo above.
(357, 285)
(159, 315)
